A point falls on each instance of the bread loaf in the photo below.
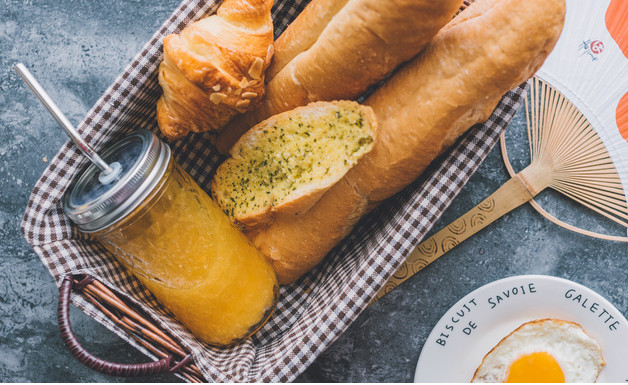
(214, 69)
(285, 164)
(453, 84)
(303, 32)
(335, 49)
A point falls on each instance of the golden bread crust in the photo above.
(302, 33)
(447, 89)
(310, 233)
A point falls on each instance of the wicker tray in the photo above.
(311, 313)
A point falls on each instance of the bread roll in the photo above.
(303, 32)
(214, 69)
(453, 84)
(283, 165)
(335, 49)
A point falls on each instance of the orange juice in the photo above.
(197, 264)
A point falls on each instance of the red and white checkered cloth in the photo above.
(311, 313)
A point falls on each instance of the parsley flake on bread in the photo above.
(283, 165)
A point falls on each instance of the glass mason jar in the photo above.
(165, 229)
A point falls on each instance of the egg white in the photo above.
(578, 355)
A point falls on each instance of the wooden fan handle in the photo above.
(511, 195)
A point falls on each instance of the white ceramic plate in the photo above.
(476, 323)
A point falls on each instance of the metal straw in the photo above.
(43, 97)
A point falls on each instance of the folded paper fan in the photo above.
(577, 122)
(566, 146)
(589, 66)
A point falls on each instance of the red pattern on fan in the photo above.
(616, 16)
(622, 116)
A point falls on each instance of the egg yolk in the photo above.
(536, 367)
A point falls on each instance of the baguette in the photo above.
(292, 159)
(302, 33)
(453, 84)
(337, 48)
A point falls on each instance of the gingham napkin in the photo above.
(311, 313)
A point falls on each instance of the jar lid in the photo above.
(94, 203)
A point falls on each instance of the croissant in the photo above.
(214, 69)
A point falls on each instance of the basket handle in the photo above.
(91, 361)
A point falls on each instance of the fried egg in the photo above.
(546, 350)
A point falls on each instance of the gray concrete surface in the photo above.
(76, 48)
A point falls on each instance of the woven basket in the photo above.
(310, 314)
